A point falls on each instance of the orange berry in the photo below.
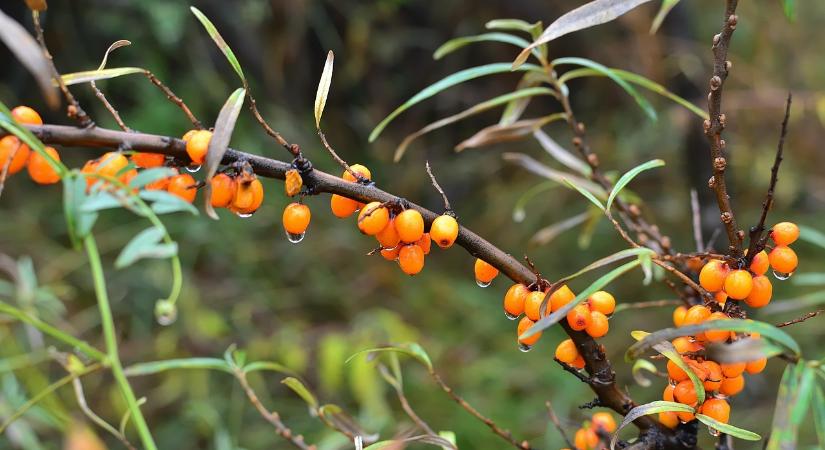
(669, 419)
(248, 197)
(514, 299)
(602, 302)
(598, 325)
(667, 395)
(683, 344)
(713, 274)
(484, 271)
(686, 416)
(675, 372)
(783, 259)
(40, 170)
(679, 315)
(721, 297)
(157, 185)
(188, 135)
(388, 237)
(444, 230)
(760, 263)
(409, 225)
(223, 190)
(578, 363)
(784, 233)
(341, 206)
(11, 147)
(732, 370)
(425, 243)
(148, 160)
(714, 378)
(603, 421)
(296, 218)
(391, 254)
(360, 170)
(532, 304)
(732, 386)
(561, 297)
(756, 366)
(717, 335)
(696, 315)
(197, 145)
(586, 439)
(579, 317)
(26, 115)
(761, 293)
(685, 393)
(182, 185)
(567, 352)
(716, 408)
(738, 284)
(127, 176)
(373, 218)
(411, 259)
(523, 325)
(110, 164)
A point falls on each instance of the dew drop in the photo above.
(165, 312)
(295, 238)
(782, 276)
(714, 432)
(483, 283)
(193, 169)
(166, 320)
(524, 347)
(510, 316)
(243, 215)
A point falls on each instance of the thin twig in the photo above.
(177, 101)
(253, 105)
(555, 419)
(340, 161)
(801, 319)
(110, 108)
(438, 188)
(697, 220)
(686, 279)
(582, 377)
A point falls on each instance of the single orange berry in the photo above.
(578, 363)
(696, 315)
(40, 170)
(409, 225)
(444, 230)
(411, 259)
(760, 263)
(561, 297)
(567, 352)
(667, 394)
(484, 271)
(532, 304)
(761, 293)
(686, 416)
(248, 197)
(197, 145)
(757, 366)
(712, 276)
(669, 419)
(126, 177)
(373, 218)
(579, 317)
(732, 386)
(360, 170)
(717, 335)
(148, 160)
(223, 190)
(18, 152)
(341, 206)
(685, 393)
(738, 284)
(586, 439)
(675, 372)
(523, 325)
(684, 344)
(296, 218)
(716, 408)
(598, 325)
(425, 243)
(111, 163)
(783, 259)
(391, 254)
(721, 297)
(732, 370)
(714, 378)
(388, 237)
(514, 300)
(26, 115)
(182, 185)
(784, 233)
(603, 421)
(679, 315)
(603, 302)
(157, 185)
(188, 135)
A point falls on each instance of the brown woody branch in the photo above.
(716, 123)
(801, 319)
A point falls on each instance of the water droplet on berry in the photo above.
(295, 238)
(524, 347)
(193, 169)
(483, 284)
(244, 215)
(510, 316)
(782, 276)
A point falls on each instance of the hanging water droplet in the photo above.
(295, 238)
(167, 320)
(165, 312)
(244, 215)
(193, 168)
(483, 284)
(519, 215)
(782, 276)
(524, 347)
(510, 316)
(714, 432)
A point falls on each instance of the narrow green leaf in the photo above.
(410, 349)
(476, 109)
(445, 83)
(618, 256)
(809, 279)
(165, 203)
(643, 365)
(219, 41)
(667, 5)
(545, 235)
(585, 193)
(645, 410)
(100, 200)
(812, 236)
(298, 387)
(512, 24)
(26, 49)
(459, 42)
(728, 429)
(224, 126)
(515, 131)
(804, 394)
(669, 351)
(818, 405)
(630, 175)
(608, 72)
(269, 366)
(153, 367)
(516, 108)
(147, 176)
(145, 244)
(97, 75)
(323, 89)
(400, 443)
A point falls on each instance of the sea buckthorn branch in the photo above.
(321, 182)
(716, 123)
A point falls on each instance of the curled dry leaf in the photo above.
(292, 182)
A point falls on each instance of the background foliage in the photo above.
(310, 306)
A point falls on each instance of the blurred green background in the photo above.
(310, 306)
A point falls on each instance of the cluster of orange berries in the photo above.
(401, 234)
(595, 435)
(18, 155)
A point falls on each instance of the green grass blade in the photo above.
(630, 175)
